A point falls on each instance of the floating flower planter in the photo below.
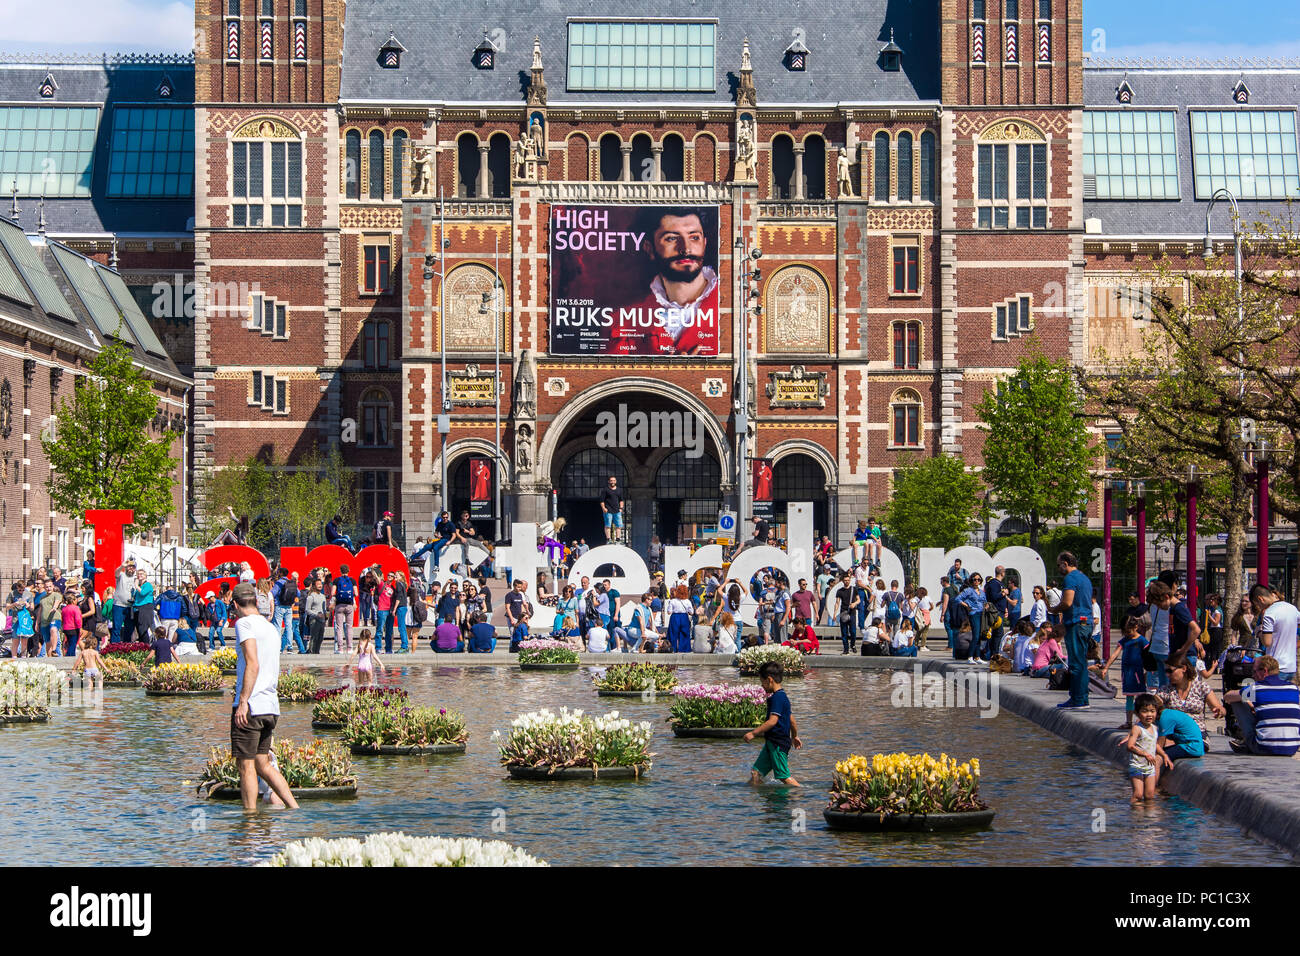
(183, 680)
(225, 658)
(641, 681)
(297, 687)
(572, 745)
(27, 688)
(333, 707)
(137, 652)
(906, 792)
(398, 849)
(121, 672)
(544, 654)
(717, 710)
(752, 658)
(319, 770)
(387, 725)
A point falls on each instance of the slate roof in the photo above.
(107, 82)
(61, 292)
(1182, 88)
(440, 38)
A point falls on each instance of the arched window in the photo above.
(782, 168)
(266, 178)
(499, 166)
(467, 166)
(374, 344)
(672, 162)
(611, 158)
(585, 474)
(680, 476)
(927, 167)
(907, 345)
(882, 167)
(905, 183)
(376, 409)
(352, 165)
(798, 478)
(578, 149)
(814, 168)
(643, 162)
(905, 416)
(376, 157)
(399, 163)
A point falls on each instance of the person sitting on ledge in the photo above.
(482, 635)
(1048, 648)
(334, 536)
(1267, 711)
(447, 639)
(803, 638)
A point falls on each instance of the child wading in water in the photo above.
(367, 659)
(1133, 675)
(779, 730)
(89, 657)
(1146, 756)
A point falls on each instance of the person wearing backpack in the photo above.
(345, 599)
(893, 605)
(286, 595)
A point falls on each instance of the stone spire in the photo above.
(13, 203)
(746, 95)
(537, 87)
(40, 221)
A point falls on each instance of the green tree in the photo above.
(100, 451)
(935, 503)
(1038, 455)
(320, 488)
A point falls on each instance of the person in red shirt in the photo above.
(685, 289)
(803, 638)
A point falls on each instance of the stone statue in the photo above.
(524, 449)
(421, 171)
(521, 158)
(843, 173)
(746, 153)
(525, 386)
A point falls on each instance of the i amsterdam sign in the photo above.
(472, 388)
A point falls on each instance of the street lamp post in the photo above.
(1192, 490)
(743, 294)
(444, 416)
(1140, 510)
(1108, 496)
(1262, 519)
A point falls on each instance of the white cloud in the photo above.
(65, 26)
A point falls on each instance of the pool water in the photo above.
(110, 789)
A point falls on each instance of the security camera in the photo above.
(756, 254)
(446, 243)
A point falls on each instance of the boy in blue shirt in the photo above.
(1180, 735)
(779, 730)
(217, 616)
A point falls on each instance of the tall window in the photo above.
(377, 267)
(643, 162)
(261, 199)
(374, 344)
(38, 547)
(977, 9)
(905, 410)
(611, 158)
(905, 167)
(814, 168)
(783, 168)
(374, 497)
(399, 163)
(907, 345)
(61, 547)
(998, 194)
(672, 161)
(927, 167)
(499, 166)
(376, 158)
(352, 165)
(882, 167)
(467, 166)
(640, 57)
(1251, 152)
(376, 407)
(907, 269)
(1012, 317)
(271, 392)
(269, 315)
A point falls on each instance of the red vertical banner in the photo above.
(761, 482)
(480, 488)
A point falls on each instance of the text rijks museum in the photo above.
(929, 185)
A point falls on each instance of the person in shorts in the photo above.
(257, 701)
(778, 731)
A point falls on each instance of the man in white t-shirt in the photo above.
(597, 640)
(257, 701)
(1276, 629)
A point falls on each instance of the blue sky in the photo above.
(1210, 28)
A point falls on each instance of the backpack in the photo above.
(419, 610)
(346, 590)
(1058, 675)
(892, 612)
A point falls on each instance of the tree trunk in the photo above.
(1033, 530)
(1235, 552)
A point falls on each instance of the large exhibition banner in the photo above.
(634, 280)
